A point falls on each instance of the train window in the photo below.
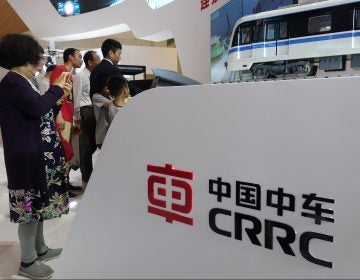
(283, 30)
(319, 24)
(236, 39)
(270, 31)
(245, 35)
(258, 33)
(357, 24)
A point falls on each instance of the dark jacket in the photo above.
(103, 71)
(21, 109)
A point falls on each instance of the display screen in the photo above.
(75, 7)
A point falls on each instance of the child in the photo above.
(101, 101)
(114, 94)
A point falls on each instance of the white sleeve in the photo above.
(43, 85)
(99, 100)
(77, 89)
(112, 112)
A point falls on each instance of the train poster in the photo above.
(222, 24)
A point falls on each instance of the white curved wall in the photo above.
(182, 20)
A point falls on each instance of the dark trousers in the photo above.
(87, 142)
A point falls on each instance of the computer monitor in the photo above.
(164, 78)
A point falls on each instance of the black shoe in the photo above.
(75, 167)
(74, 188)
(72, 195)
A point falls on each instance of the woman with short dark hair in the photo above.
(36, 192)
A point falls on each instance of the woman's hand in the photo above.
(64, 82)
(60, 121)
(67, 88)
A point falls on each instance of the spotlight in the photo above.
(69, 8)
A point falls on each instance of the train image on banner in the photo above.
(296, 40)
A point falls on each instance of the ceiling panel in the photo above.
(10, 22)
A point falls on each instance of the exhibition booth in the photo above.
(249, 180)
(200, 178)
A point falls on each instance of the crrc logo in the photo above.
(170, 193)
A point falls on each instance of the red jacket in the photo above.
(67, 111)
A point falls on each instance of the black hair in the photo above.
(101, 80)
(110, 45)
(89, 55)
(18, 50)
(68, 52)
(50, 68)
(116, 85)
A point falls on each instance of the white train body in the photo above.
(302, 32)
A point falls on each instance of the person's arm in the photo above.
(100, 101)
(56, 108)
(43, 86)
(77, 91)
(60, 121)
(33, 104)
(55, 74)
(111, 112)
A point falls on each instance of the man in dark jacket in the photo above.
(111, 51)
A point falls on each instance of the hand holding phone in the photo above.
(64, 81)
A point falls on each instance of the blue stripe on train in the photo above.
(295, 41)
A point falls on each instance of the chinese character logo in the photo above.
(170, 193)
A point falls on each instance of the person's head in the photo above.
(40, 66)
(20, 50)
(118, 87)
(91, 59)
(72, 58)
(111, 49)
(101, 80)
(49, 70)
